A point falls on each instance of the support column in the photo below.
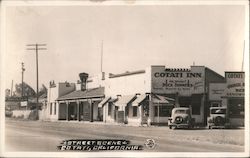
(78, 110)
(91, 110)
(67, 111)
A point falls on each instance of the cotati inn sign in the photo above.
(183, 82)
(235, 84)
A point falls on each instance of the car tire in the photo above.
(170, 127)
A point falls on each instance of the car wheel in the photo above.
(170, 127)
(209, 127)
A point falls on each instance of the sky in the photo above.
(134, 37)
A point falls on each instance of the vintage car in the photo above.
(218, 118)
(181, 118)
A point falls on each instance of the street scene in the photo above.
(135, 77)
(46, 136)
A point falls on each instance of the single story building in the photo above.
(230, 94)
(139, 97)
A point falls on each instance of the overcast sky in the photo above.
(134, 37)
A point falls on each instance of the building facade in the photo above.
(135, 98)
(230, 94)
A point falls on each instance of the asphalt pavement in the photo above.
(46, 136)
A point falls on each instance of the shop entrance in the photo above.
(62, 111)
(236, 107)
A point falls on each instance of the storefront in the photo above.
(231, 95)
(159, 90)
(135, 98)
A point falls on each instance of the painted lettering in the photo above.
(235, 75)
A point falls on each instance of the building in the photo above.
(68, 101)
(135, 98)
(155, 91)
(230, 94)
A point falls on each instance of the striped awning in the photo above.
(139, 99)
(103, 102)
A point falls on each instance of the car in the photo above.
(181, 118)
(218, 118)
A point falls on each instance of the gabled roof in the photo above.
(89, 93)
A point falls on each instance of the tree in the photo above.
(28, 91)
(42, 90)
(7, 92)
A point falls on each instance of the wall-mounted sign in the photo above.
(24, 103)
(235, 84)
(183, 82)
(216, 91)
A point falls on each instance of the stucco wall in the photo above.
(127, 85)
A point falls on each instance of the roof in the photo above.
(161, 99)
(104, 101)
(126, 73)
(90, 93)
(125, 99)
(139, 99)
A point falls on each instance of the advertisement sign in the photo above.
(185, 82)
(235, 84)
(24, 103)
(216, 91)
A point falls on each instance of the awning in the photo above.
(125, 100)
(139, 99)
(161, 99)
(103, 102)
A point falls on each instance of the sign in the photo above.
(235, 84)
(185, 82)
(24, 103)
(216, 91)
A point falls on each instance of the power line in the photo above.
(36, 47)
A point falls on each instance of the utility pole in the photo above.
(11, 90)
(23, 69)
(36, 47)
(101, 55)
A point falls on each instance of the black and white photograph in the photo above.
(124, 78)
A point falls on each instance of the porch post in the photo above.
(91, 110)
(67, 111)
(78, 110)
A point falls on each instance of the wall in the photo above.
(127, 85)
(134, 120)
(21, 114)
(216, 91)
(54, 92)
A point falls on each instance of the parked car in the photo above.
(181, 118)
(218, 118)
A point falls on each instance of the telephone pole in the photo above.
(23, 69)
(36, 47)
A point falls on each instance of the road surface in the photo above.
(46, 136)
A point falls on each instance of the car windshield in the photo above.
(180, 111)
(218, 111)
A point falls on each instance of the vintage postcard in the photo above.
(124, 78)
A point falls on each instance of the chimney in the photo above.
(83, 77)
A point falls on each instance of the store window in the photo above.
(109, 108)
(236, 108)
(164, 111)
(135, 111)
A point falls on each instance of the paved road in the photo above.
(46, 136)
